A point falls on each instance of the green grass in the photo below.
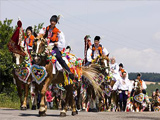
(7, 101)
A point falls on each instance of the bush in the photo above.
(10, 98)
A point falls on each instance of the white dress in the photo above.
(115, 71)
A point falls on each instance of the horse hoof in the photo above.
(92, 110)
(33, 107)
(42, 113)
(62, 114)
(23, 108)
(74, 113)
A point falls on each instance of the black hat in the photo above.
(54, 18)
(68, 47)
(157, 90)
(97, 38)
(121, 65)
(139, 74)
(29, 28)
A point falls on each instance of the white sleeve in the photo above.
(61, 41)
(115, 86)
(144, 85)
(117, 68)
(89, 52)
(105, 51)
(129, 85)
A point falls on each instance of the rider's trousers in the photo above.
(59, 58)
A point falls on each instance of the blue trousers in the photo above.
(59, 58)
(50, 105)
(123, 100)
(88, 63)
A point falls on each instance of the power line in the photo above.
(84, 30)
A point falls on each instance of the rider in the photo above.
(88, 44)
(96, 50)
(121, 69)
(57, 40)
(124, 87)
(114, 69)
(143, 84)
(29, 38)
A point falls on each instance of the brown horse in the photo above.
(18, 59)
(93, 96)
(137, 105)
(39, 50)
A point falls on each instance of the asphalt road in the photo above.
(11, 114)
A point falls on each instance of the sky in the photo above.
(129, 29)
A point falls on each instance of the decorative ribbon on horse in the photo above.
(139, 98)
(60, 86)
(23, 74)
(39, 73)
(108, 91)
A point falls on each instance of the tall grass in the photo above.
(7, 101)
(9, 98)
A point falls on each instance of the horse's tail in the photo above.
(90, 73)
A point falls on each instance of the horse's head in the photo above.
(39, 50)
(17, 59)
(137, 85)
(103, 61)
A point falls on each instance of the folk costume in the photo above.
(143, 84)
(114, 71)
(123, 86)
(94, 51)
(88, 44)
(28, 43)
(122, 70)
(55, 35)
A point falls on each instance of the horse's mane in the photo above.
(40, 36)
(90, 72)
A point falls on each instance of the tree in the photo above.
(6, 63)
(6, 31)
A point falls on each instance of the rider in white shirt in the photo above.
(114, 70)
(124, 88)
(96, 50)
(56, 38)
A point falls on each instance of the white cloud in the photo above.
(146, 60)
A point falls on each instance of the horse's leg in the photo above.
(73, 104)
(65, 107)
(24, 106)
(34, 95)
(105, 102)
(42, 109)
(79, 98)
(19, 85)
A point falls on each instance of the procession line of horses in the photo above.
(95, 91)
(39, 47)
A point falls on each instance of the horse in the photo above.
(111, 98)
(39, 57)
(138, 96)
(95, 100)
(22, 78)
